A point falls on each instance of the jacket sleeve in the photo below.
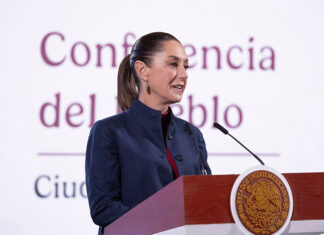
(103, 176)
(203, 151)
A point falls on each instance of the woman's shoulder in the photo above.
(112, 121)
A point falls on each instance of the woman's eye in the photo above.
(186, 67)
(174, 64)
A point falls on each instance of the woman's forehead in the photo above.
(173, 50)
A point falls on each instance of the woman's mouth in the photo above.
(178, 87)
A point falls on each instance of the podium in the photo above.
(201, 205)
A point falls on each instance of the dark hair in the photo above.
(144, 49)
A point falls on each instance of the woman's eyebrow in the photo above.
(177, 58)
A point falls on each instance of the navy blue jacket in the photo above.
(126, 161)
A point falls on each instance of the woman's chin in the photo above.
(177, 98)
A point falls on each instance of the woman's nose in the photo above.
(183, 72)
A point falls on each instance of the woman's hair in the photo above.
(144, 49)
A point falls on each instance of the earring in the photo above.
(147, 86)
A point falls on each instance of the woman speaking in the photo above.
(132, 155)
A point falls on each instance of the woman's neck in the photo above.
(148, 101)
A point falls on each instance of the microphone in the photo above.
(202, 167)
(222, 129)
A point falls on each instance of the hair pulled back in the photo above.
(144, 49)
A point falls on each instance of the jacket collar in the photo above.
(149, 117)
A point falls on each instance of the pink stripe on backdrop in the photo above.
(243, 154)
(61, 154)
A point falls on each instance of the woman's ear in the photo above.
(141, 70)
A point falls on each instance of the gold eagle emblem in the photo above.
(262, 202)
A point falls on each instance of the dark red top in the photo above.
(165, 120)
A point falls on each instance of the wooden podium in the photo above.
(201, 205)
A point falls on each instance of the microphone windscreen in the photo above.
(221, 128)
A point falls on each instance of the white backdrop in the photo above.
(257, 69)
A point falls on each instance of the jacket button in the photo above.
(170, 137)
(179, 157)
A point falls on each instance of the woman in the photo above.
(132, 155)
